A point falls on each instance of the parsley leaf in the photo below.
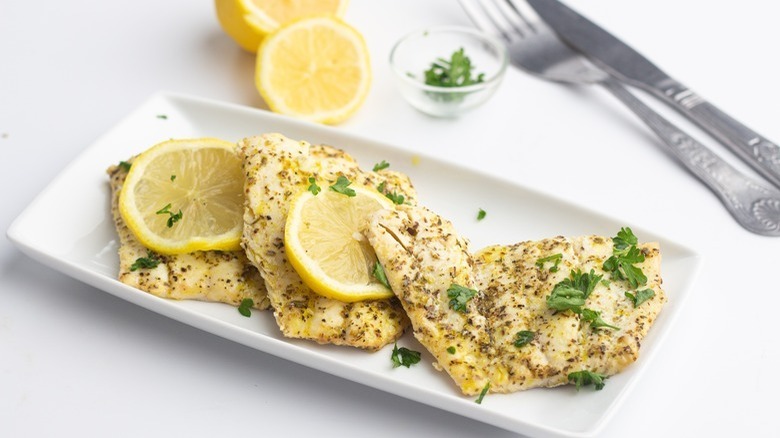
(313, 187)
(624, 255)
(404, 356)
(594, 318)
(174, 217)
(524, 337)
(571, 293)
(455, 72)
(555, 259)
(640, 297)
(341, 186)
(625, 238)
(566, 297)
(481, 214)
(585, 378)
(381, 165)
(246, 307)
(379, 274)
(148, 262)
(395, 197)
(162, 116)
(482, 394)
(124, 165)
(451, 350)
(459, 296)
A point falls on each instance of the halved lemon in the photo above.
(248, 21)
(182, 196)
(324, 243)
(316, 69)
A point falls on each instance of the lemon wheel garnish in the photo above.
(185, 195)
(323, 241)
(248, 21)
(315, 68)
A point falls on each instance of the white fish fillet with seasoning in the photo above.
(219, 276)
(276, 170)
(423, 256)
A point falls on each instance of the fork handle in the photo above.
(754, 149)
(754, 205)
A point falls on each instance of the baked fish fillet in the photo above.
(220, 276)
(423, 256)
(277, 169)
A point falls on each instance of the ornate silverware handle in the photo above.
(754, 205)
(751, 147)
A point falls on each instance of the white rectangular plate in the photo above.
(82, 243)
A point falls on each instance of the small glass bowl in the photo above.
(415, 53)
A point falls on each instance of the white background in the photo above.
(75, 361)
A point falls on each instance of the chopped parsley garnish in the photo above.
(245, 308)
(379, 274)
(162, 116)
(481, 214)
(459, 297)
(624, 255)
(482, 394)
(570, 294)
(148, 262)
(393, 196)
(585, 378)
(313, 187)
(404, 356)
(341, 186)
(555, 259)
(381, 165)
(124, 165)
(524, 337)
(451, 350)
(640, 297)
(173, 178)
(174, 217)
(455, 72)
(594, 318)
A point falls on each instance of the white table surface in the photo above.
(75, 361)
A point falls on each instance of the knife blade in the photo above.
(631, 67)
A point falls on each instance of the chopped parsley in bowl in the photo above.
(445, 71)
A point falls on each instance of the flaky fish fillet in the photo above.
(423, 256)
(219, 276)
(276, 170)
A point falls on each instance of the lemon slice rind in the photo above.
(144, 193)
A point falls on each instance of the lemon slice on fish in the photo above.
(325, 245)
(182, 196)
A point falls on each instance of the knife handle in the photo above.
(754, 205)
(754, 149)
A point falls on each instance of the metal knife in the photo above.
(631, 67)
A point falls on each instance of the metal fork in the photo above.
(535, 48)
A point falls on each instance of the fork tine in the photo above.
(526, 13)
(512, 16)
(475, 14)
(486, 18)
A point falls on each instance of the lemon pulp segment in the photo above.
(325, 244)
